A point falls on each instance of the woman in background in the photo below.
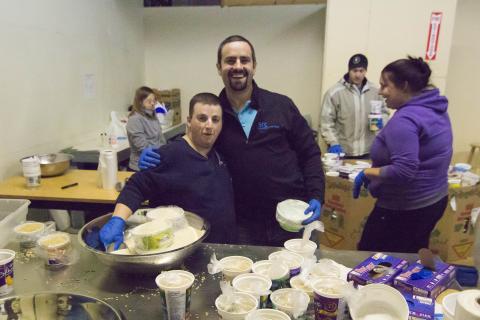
(410, 159)
(143, 127)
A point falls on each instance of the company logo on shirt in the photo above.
(263, 126)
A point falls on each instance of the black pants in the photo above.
(258, 226)
(401, 230)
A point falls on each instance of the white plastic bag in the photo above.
(117, 130)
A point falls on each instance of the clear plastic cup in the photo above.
(175, 293)
(6, 271)
(28, 233)
(236, 306)
(233, 266)
(56, 248)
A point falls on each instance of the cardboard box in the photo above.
(379, 268)
(420, 308)
(344, 218)
(171, 99)
(429, 287)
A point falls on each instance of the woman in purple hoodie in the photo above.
(410, 159)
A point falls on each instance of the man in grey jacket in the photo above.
(344, 119)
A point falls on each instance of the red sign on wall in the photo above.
(433, 33)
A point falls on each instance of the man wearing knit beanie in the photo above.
(344, 122)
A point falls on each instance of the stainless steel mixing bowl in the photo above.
(149, 263)
(54, 164)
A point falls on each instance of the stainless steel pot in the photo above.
(149, 263)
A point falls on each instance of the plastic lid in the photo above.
(175, 280)
(293, 210)
(151, 228)
(165, 213)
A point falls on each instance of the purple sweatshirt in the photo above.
(414, 151)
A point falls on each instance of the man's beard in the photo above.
(235, 84)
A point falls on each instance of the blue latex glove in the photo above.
(315, 207)
(360, 180)
(380, 124)
(149, 158)
(112, 231)
(336, 148)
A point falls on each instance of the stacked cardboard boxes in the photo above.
(344, 218)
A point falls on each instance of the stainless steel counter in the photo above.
(137, 296)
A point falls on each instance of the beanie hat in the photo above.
(357, 61)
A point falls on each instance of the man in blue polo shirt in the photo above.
(271, 152)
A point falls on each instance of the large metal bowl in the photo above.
(54, 164)
(149, 263)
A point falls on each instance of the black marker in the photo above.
(70, 185)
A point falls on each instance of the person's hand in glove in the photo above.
(112, 232)
(315, 207)
(336, 148)
(360, 180)
(149, 158)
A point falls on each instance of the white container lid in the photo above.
(151, 228)
(332, 173)
(174, 280)
(293, 210)
(165, 213)
(291, 259)
(264, 267)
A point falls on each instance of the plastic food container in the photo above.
(325, 268)
(462, 167)
(173, 214)
(12, 213)
(233, 266)
(175, 293)
(28, 233)
(254, 284)
(235, 307)
(267, 314)
(279, 273)
(299, 284)
(153, 235)
(295, 245)
(293, 260)
(290, 214)
(289, 300)
(380, 302)
(56, 248)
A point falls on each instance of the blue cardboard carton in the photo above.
(420, 308)
(430, 286)
(379, 268)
